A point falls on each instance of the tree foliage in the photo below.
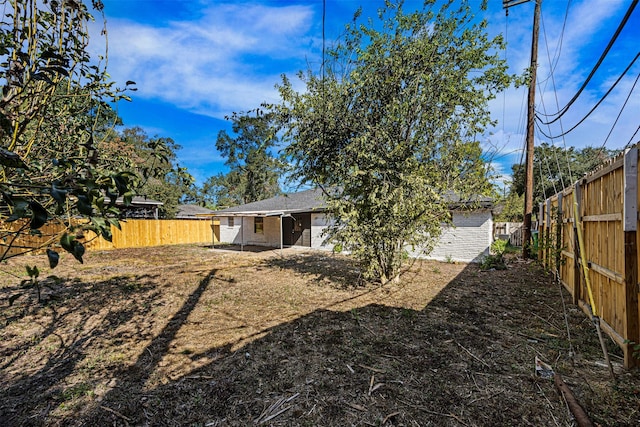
(556, 168)
(54, 110)
(390, 130)
(155, 161)
(254, 169)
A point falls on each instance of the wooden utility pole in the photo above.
(531, 102)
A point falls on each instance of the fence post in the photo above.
(541, 233)
(558, 245)
(547, 239)
(630, 203)
(576, 258)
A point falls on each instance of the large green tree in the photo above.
(254, 167)
(54, 111)
(154, 160)
(556, 168)
(390, 128)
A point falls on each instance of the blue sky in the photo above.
(195, 61)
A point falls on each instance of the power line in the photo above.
(561, 112)
(555, 92)
(632, 136)
(538, 119)
(553, 64)
(620, 112)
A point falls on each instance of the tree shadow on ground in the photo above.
(465, 359)
(37, 356)
(337, 270)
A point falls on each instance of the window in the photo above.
(230, 222)
(258, 225)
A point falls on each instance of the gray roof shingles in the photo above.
(314, 201)
(303, 201)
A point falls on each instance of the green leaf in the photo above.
(11, 159)
(66, 241)
(128, 197)
(78, 251)
(39, 215)
(19, 210)
(84, 205)
(53, 257)
(33, 272)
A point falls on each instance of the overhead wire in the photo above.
(620, 112)
(622, 24)
(632, 136)
(556, 56)
(555, 91)
(592, 109)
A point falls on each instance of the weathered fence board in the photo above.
(607, 208)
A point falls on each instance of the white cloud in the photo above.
(217, 64)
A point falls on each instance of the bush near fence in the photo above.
(607, 206)
(134, 233)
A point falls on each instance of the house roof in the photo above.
(139, 201)
(192, 211)
(303, 201)
(314, 201)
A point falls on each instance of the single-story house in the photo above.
(298, 219)
(193, 212)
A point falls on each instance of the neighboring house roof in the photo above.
(303, 201)
(314, 201)
(192, 211)
(139, 201)
(474, 202)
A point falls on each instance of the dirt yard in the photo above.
(194, 336)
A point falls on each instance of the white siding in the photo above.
(468, 240)
(230, 234)
(242, 231)
(318, 223)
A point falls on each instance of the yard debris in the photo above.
(274, 410)
(373, 387)
(582, 419)
(357, 407)
(380, 371)
(116, 413)
(543, 370)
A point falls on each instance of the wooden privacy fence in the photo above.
(607, 212)
(134, 233)
(511, 231)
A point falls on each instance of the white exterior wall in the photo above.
(319, 222)
(242, 231)
(468, 240)
(230, 234)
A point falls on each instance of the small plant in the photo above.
(499, 247)
(635, 348)
(448, 259)
(495, 261)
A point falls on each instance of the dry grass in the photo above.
(187, 335)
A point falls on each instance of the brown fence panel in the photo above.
(26, 243)
(607, 201)
(134, 233)
(137, 233)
